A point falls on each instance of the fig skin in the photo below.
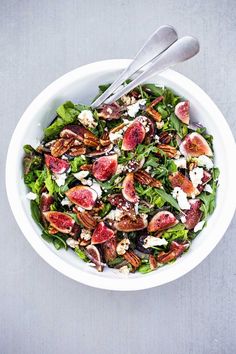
(177, 179)
(182, 111)
(128, 189)
(101, 234)
(109, 249)
(195, 145)
(105, 167)
(127, 224)
(83, 196)
(60, 221)
(161, 221)
(194, 214)
(93, 254)
(56, 165)
(133, 136)
(139, 244)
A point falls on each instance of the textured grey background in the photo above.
(41, 311)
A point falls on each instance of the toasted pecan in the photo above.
(77, 151)
(152, 112)
(60, 146)
(132, 258)
(169, 150)
(86, 167)
(146, 179)
(104, 140)
(165, 137)
(87, 220)
(152, 262)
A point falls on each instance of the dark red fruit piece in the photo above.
(205, 179)
(177, 179)
(56, 165)
(94, 255)
(151, 131)
(83, 196)
(128, 189)
(182, 111)
(60, 221)
(102, 151)
(194, 214)
(110, 111)
(195, 145)
(101, 234)
(120, 202)
(109, 249)
(127, 224)
(133, 136)
(74, 131)
(105, 167)
(161, 221)
(75, 231)
(46, 201)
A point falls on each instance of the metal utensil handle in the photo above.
(183, 49)
(161, 39)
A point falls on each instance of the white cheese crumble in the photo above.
(148, 169)
(205, 161)
(120, 169)
(66, 201)
(183, 219)
(127, 100)
(72, 243)
(199, 226)
(152, 241)
(124, 270)
(134, 108)
(81, 175)
(86, 118)
(31, 196)
(122, 246)
(80, 209)
(208, 188)
(160, 125)
(181, 162)
(181, 197)
(85, 234)
(115, 214)
(59, 179)
(96, 187)
(136, 208)
(157, 139)
(116, 136)
(87, 182)
(196, 176)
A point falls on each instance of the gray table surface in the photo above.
(41, 311)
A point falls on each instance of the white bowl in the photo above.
(81, 85)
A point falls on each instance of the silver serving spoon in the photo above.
(183, 49)
(159, 41)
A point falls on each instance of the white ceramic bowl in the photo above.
(80, 85)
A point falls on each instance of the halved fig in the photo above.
(102, 151)
(94, 256)
(60, 221)
(177, 179)
(101, 234)
(56, 165)
(46, 201)
(133, 136)
(105, 167)
(110, 111)
(151, 131)
(205, 179)
(120, 202)
(75, 231)
(194, 214)
(109, 249)
(195, 145)
(83, 196)
(74, 131)
(182, 111)
(161, 221)
(127, 224)
(128, 189)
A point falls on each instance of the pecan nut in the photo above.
(77, 151)
(169, 150)
(152, 262)
(165, 138)
(144, 178)
(60, 146)
(152, 112)
(132, 258)
(87, 220)
(104, 140)
(86, 167)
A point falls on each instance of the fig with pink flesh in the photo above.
(60, 221)
(195, 145)
(128, 189)
(110, 111)
(56, 165)
(109, 249)
(182, 111)
(74, 131)
(177, 179)
(205, 179)
(194, 214)
(94, 256)
(105, 167)
(161, 221)
(101, 234)
(46, 201)
(127, 224)
(133, 136)
(120, 202)
(83, 196)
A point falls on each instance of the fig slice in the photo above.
(127, 224)
(128, 189)
(83, 196)
(205, 179)
(60, 221)
(161, 221)
(101, 234)
(102, 151)
(195, 145)
(120, 202)
(110, 111)
(109, 249)
(56, 165)
(177, 179)
(182, 111)
(105, 167)
(133, 136)
(194, 214)
(94, 256)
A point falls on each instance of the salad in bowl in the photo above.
(126, 186)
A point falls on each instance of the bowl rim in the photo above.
(124, 284)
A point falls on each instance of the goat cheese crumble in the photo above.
(199, 226)
(181, 198)
(60, 179)
(152, 241)
(134, 108)
(86, 118)
(196, 176)
(31, 196)
(205, 161)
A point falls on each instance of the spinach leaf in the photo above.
(35, 212)
(49, 183)
(144, 268)
(153, 89)
(177, 125)
(81, 254)
(77, 162)
(209, 200)
(176, 232)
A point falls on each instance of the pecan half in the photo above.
(165, 138)
(52, 231)
(87, 220)
(60, 146)
(77, 151)
(90, 140)
(110, 111)
(152, 262)
(152, 112)
(169, 150)
(117, 128)
(104, 140)
(86, 167)
(144, 178)
(132, 258)
(101, 151)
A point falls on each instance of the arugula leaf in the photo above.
(35, 180)
(35, 212)
(209, 200)
(156, 91)
(150, 194)
(144, 268)
(105, 210)
(49, 183)
(59, 243)
(77, 162)
(176, 232)
(177, 125)
(168, 198)
(81, 254)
